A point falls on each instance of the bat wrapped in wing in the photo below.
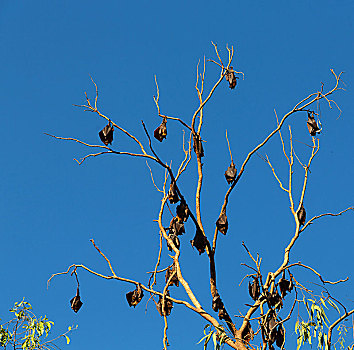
(160, 132)
(222, 223)
(199, 241)
(176, 226)
(254, 289)
(172, 194)
(167, 307)
(302, 215)
(230, 173)
(231, 78)
(106, 134)
(175, 241)
(134, 297)
(174, 280)
(182, 211)
(312, 125)
(75, 302)
(197, 146)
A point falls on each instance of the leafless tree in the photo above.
(261, 324)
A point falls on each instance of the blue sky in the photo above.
(50, 206)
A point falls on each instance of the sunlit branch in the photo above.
(322, 215)
(316, 273)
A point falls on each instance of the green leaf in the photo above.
(333, 305)
(307, 308)
(323, 303)
(40, 328)
(216, 344)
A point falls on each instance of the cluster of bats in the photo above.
(271, 332)
(164, 307)
(176, 227)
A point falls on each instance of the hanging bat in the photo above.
(182, 211)
(134, 297)
(167, 307)
(176, 226)
(106, 134)
(217, 303)
(174, 279)
(270, 327)
(222, 224)
(285, 285)
(280, 337)
(230, 173)
(175, 241)
(254, 289)
(160, 132)
(274, 299)
(197, 146)
(301, 215)
(172, 194)
(231, 78)
(75, 302)
(199, 241)
(312, 125)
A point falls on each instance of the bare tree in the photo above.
(262, 323)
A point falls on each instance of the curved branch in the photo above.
(316, 273)
(326, 214)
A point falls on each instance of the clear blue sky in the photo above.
(50, 207)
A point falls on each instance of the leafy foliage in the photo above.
(28, 332)
(315, 329)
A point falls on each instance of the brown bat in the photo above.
(312, 125)
(167, 307)
(199, 241)
(174, 279)
(172, 194)
(134, 297)
(176, 227)
(106, 134)
(75, 302)
(182, 211)
(231, 78)
(160, 132)
(175, 241)
(230, 173)
(271, 331)
(254, 289)
(197, 146)
(285, 285)
(222, 224)
(274, 299)
(301, 214)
